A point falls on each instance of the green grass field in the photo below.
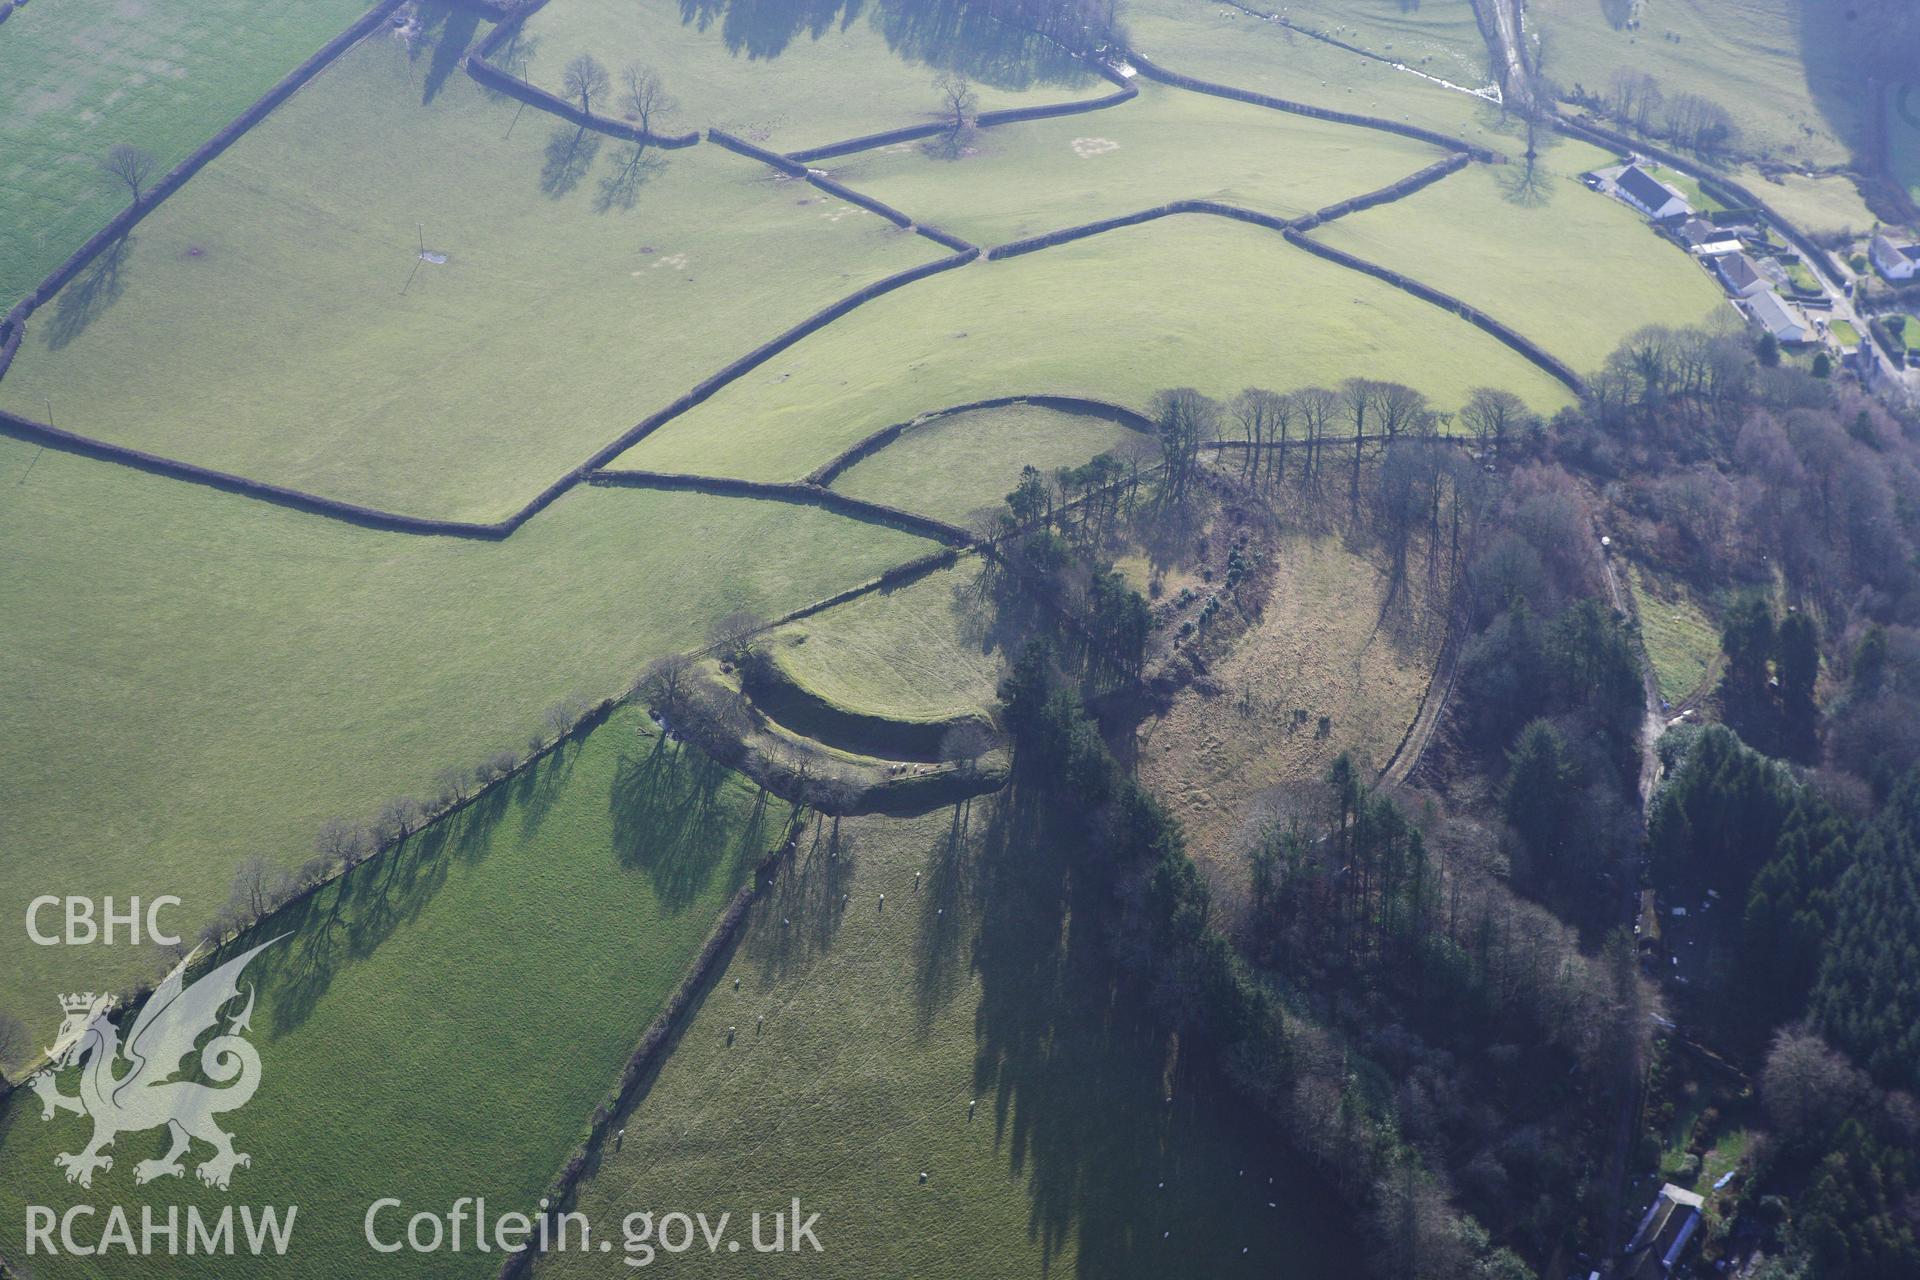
(442, 1021)
(80, 76)
(1209, 40)
(1682, 642)
(954, 466)
(262, 321)
(1167, 144)
(975, 983)
(1573, 270)
(1781, 68)
(1439, 37)
(1818, 206)
(788, 76)
(1159, 296)
(914, 653)
(218, 677)
(1845, 334)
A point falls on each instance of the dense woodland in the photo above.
(1437, 993)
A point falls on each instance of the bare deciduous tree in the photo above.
(664, 683)
(734, 632)
(257, 886)
(343, 843)
(129, 165)
(645, 96)
(1494, 417)
(584, 79)
(562, 716)
(959, 106)
(964, 744)
(397, 819)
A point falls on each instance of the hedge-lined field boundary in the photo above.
(801, 493)
(659, 1039)
(1048, 239)
(1128, 91)
(14, 324)
(1725, 190)
(1430, 136)
(1413, 182)
(485, 73)
(794, 169)
(827, 472)
(1397, 190)
(393, 522)
(12, 424)
(482, 70)
(1553, 365)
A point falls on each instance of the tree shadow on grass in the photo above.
(1078, 1079)
(671, 820)
(91, 293)
(569, 154)
(449, 30)
(620, 186)
(801, 909)
(944, 34)
(538, 786)
(946, 904)
(349, 919)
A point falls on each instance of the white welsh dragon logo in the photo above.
(147, 1095)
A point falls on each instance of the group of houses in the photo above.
(1726, 244)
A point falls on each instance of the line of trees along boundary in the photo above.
(1430, 136)
(1553, 365)
(804, 494)
(124, 221)
(831, 470)
(481, 68)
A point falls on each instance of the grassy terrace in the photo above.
(1023, 179)
(1053, 321)
(977, 983)
(910, 654)
(275, 319)
(219, 677)
(1575, 271)
(953, 466)
(441, 1022)
(788, 76)
(173, 72)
